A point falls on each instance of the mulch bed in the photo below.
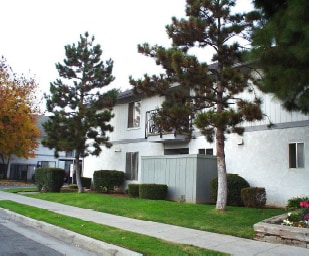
(15, 183)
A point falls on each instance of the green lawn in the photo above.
(140, 243)
(236, 221)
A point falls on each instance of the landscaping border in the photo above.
(270, 230)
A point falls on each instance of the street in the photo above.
(20, 240)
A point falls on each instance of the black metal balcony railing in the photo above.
(153, 128)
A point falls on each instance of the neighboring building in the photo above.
(23, 169)
(276, 158)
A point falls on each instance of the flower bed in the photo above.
(273, 231)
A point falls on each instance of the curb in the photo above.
(71, 237)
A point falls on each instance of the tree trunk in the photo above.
(222, 179)
(78, 174)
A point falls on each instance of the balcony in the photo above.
(155, 133)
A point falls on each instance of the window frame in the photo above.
(134, 115)
(131, 167)
(206, 151)
(296, 152)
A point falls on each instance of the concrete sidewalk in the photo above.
(224, 243)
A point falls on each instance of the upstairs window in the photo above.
(296, 155)
(69, 154)
(134, 114)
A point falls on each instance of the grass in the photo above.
(236, 221)
(144, 244)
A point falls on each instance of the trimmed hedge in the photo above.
(153, 191)
(234, 185)
(107, 180)
(49, 179)
(133, 190)
(253, 197)
(86, 182)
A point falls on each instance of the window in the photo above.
(22, 171)
(296, 155)
(176, 151)
(132, 165)
(51, 164)
(207, 151)
(69, 154)
(134, 114)
(202, 151)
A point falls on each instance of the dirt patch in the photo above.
(15, 183)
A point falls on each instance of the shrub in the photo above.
(253, 197)
(133, 190)
(107, 180)
(153, 191)
(73, 186)
(49, 179)
(234, 185)
(86, 182)
(294, 203)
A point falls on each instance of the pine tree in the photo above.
(280, 46)
(209, 93)
(80, 107)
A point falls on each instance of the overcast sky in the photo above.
(34, 33)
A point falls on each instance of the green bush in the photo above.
(234, 185)
(107, 180)
(253, 197)
(49, 179)
(153, 191)
(133, 190)
(293, 203)
(86, 182)
(73, 186)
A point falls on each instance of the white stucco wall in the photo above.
(115, 157)
(263, 160)
(120, 121)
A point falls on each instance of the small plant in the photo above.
(298, 218)
(86, 182)
(107, 180)
(253, 197)
(294, 203)
(305, 210)
(73, 186)
(153, 191)
(133, 190)
(49, 179)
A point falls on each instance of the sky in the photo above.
(34, 33)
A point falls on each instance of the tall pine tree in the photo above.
(81, 109)
(211, 94)
(280, 46)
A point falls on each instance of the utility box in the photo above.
(188, 177)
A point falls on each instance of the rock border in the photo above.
(271, 231)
